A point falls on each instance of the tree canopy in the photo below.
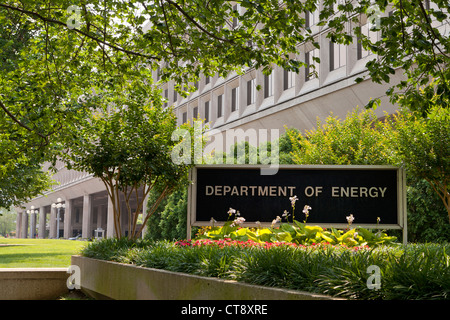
(58, 56)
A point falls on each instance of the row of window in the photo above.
(337, 58)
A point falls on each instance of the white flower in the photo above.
(231, 211)
(237, 221)
(275, 221)
(293, 199)
(285, 214)
(350, 219)
(306, 209)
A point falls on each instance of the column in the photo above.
(52, 223)
(87, 217)
(33, 225)
(68, 219)
(18, 225)
(110, 232)
(42, 223)
(24, 225)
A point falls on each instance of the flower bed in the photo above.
(228, 242)
(295, 231)
(407, 272)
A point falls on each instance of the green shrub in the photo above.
(414, 271)
(169, 220)
(427, 217)
(422, 145)
(355, 140)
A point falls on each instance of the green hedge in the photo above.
(415, 271)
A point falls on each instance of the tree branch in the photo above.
(39, 16)
(20, 123)
(184, 13)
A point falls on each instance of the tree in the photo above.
(128, 144)
(55, 55)
(413, 38)
(7, 222)
(422, 146)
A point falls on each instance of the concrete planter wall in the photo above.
(111, 280)
(33, 283)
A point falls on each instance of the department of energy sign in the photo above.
(333, 192)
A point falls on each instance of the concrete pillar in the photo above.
(110, 232)
(24, 225)
(86, 230)
(68, 219)
(33, 225)
(19, 225)
(42, 223)
(52, 223)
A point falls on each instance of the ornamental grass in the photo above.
(413, 271)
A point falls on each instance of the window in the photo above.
(166, 96)
(158, 73)
(312, 65)
(174, 95)
(184, 117)
(219, 106)
(372, 36)
(336, 5)
(311, 18)
(268, 85)
(288, 79)
(251, 91)
(207, 79)
(234, 99)
(235, 19)
(195, 112)
(206, 111)
(338, 55)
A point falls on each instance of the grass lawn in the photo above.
(37, 253)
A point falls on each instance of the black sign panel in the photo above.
(333, 193)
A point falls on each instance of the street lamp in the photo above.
(32, 227)
(58, 205)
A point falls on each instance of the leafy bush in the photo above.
(422, 145)
(427, 217)
(414, 271)
(295, 232)
(169, 220)
(355, 140)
